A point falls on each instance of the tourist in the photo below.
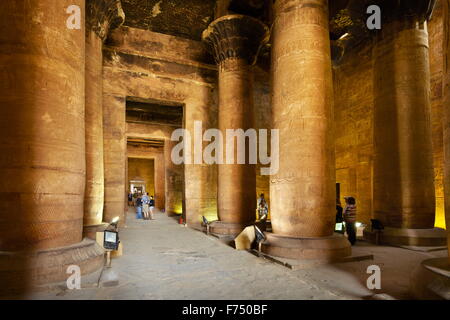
(130, 199)
(350, 218)
(152, 207)
(145, 204)
(138, 206)
(263, 209)
(339, 217)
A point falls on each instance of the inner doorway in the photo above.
(141, 175)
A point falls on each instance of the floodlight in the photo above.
(111, 240)
(344, 36)
(260, 237)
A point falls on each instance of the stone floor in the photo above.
(164, 260)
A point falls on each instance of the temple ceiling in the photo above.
(181, 18)
(188, 18)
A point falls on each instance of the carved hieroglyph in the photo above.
(101, 16)
(42, 138)
(303, 192)
(446, 111)
(404, 193)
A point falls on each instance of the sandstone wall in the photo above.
(353, 87)
(140, 64)
(143, 169)
(158, 182)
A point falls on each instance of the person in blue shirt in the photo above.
(139, 207)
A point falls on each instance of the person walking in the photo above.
(263, 208)
(130, 199)
(145, 205)
(138, 206)
(152, 207)
(350, 218)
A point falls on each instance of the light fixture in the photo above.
(115, 220)
(345, 35)
(260, 237)
(206, 224)
(111, 240)
(358, 224)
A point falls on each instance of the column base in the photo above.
(328, 249)
(227, 229)
(90, 232)
(171, 213)
(431, 280)
(21, 272)
(435, 237)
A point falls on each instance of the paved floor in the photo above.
(164, 260)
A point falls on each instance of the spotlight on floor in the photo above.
(115, 221)
(263, 217)
(259, 237)
(206, 224)
(111, 240)
(377, 225)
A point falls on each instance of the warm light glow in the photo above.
(116, 219)
(344, 36)
(358, 224)
(211, 215)
(440, 213)
(178, 209)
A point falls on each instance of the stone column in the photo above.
(160, 181)
(42, 142)
(403, 190)
(446, 119)
(115, 157)
(303, 191)
(235, 40)
(101, 16)
(173, 181)
(430, 279)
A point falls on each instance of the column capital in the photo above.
(235, 36)
(103, 15)
(406, 10)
